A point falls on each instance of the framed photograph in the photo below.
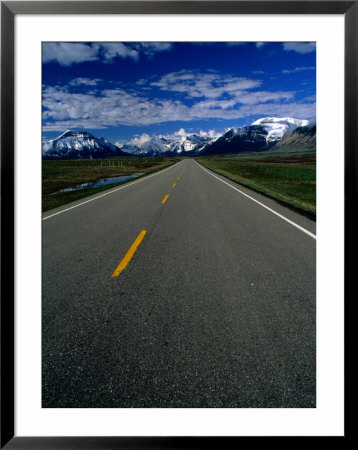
(172, 273)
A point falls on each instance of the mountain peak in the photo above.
(276, 127)
(78, 145)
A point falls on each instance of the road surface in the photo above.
(215, 306)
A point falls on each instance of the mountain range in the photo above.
(264, 134)
(157, 146)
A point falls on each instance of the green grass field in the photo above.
(288, 178)
(58, 175)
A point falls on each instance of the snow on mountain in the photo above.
(175, 144)
(251, 138)
(156, 146)
(78, 145)
(195, 142)
(276, 127)
(261, 135)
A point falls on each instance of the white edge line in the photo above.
(111, 192)
(264, 206)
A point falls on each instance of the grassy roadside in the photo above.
(290, 179)
(58, 175)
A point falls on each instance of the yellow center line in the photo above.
(165, 198)
(174, 184)
(129, 255)
(178, 178)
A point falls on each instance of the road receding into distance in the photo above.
(181, 289)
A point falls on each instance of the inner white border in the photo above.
(327, 418)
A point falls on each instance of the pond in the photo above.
(100, 183)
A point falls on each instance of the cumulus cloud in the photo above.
(67, 110)
(111, 50)
(84, 81)
(209, 85)
(211, 96)
(181, 133)
(151, 48)
(67, 53)
(209, 133)
(111, 107)
(139, 140)
(294, 109)
(300, 47)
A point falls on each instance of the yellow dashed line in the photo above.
(165, 198)
(129, 255)
(174, 184)
(178, 178)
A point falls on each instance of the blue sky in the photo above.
(124, 91)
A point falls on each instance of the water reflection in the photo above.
(100, 183)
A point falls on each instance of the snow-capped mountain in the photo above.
(78, 145)
(157, 146)
(239, 140)
(261, 135)
(276, 127)
(195, 143)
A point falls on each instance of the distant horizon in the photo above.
(132, 91)
(139, 140)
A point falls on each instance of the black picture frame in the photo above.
(9, 9)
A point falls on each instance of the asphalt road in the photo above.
(215, 309)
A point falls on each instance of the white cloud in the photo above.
(209, 85)
(210, 133)
(181, 133)
(294, 109)
(140, 140)
(255, 98)
(297, 69)
(260, 44)
(300, 47)
(84, 81)
(150, 48)
(112, 107)
(213, 96)
(111, 50)
(67, 53)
